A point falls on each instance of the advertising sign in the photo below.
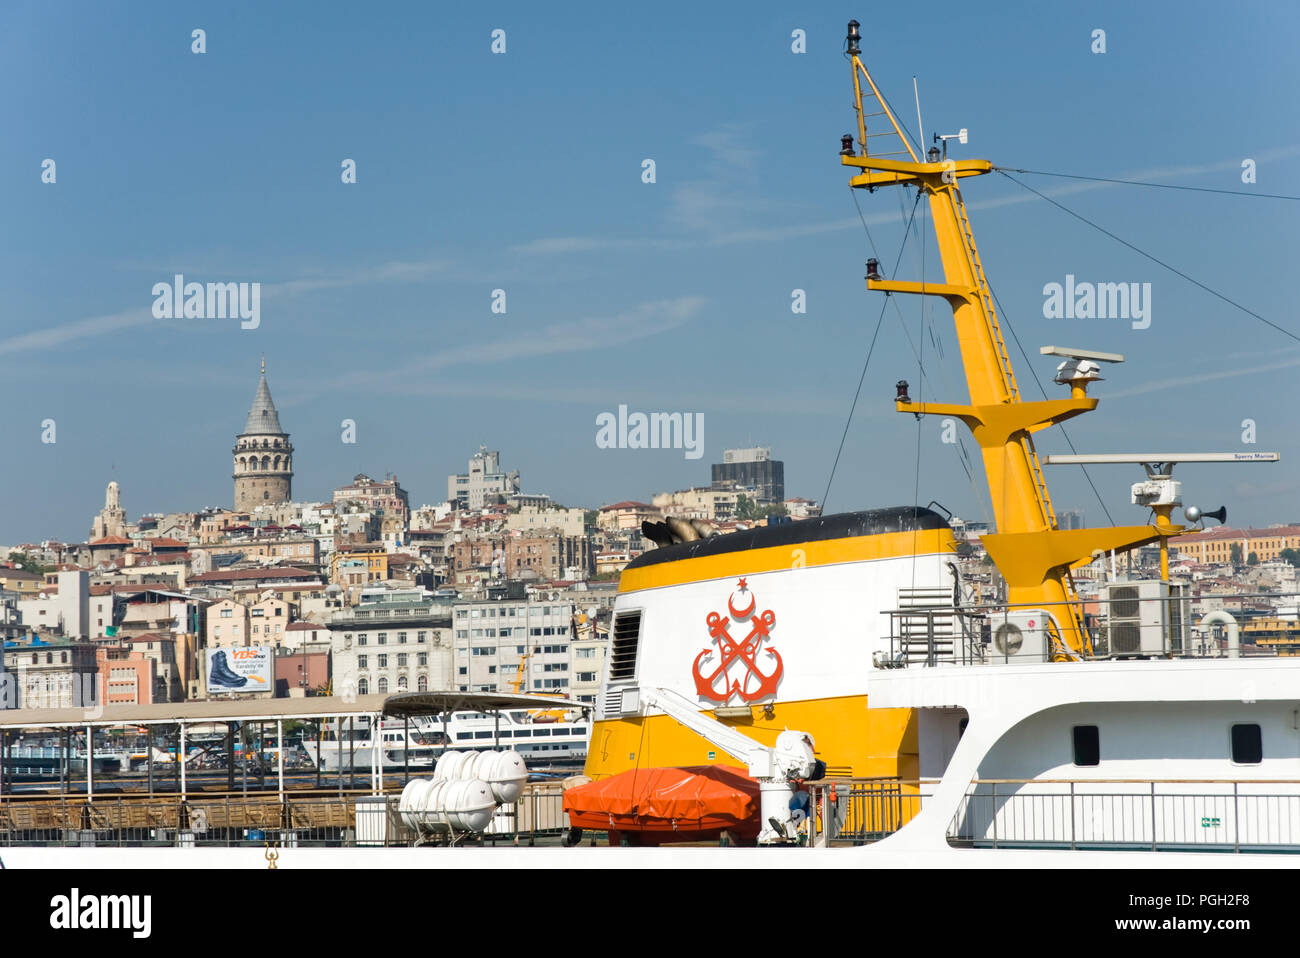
(245, 668)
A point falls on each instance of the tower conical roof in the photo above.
(263, 420)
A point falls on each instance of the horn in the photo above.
(657, 533)
(1220, 513)
(682, 530)
(704, 528)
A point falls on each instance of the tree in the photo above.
(1234, 554)
(776, 510)
(22, 560)
(1253, 559)
(746, 508)
(1291, 556)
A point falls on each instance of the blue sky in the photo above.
(522, 172)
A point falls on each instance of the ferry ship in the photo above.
(1017, 723)
(543, 739)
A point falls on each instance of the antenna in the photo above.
(920, 128)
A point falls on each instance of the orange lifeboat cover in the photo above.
(705, 796)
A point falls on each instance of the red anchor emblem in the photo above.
(728, 651)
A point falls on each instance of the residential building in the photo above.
(715, 505)
(384, 496)
(53, 674)
(626, 515)
(493, 636)
(1215, 545)
(391, 642)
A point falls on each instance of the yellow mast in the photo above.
(1033, 555)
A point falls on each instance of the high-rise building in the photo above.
(263, 455)
(483, 483)
(752, 471)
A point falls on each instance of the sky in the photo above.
(522, 171)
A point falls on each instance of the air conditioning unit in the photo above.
(1019, 637)
(1138, 617)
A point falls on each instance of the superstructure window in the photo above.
(1087, 745)
(1247, 745)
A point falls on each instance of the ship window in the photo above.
(482, 734)
(1247, 745)
(1087, 745)
(461, 735)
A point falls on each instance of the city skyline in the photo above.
(376, 296)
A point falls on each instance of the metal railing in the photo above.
(1151, 815)
(1255, 815)
(859, 811)
(350, 820)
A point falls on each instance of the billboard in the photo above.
(245, 668)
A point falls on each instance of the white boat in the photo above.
(543, 739)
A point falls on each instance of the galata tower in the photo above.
(263, 455)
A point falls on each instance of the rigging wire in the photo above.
(870, 350)
(1161, 186)
(1154, 259)
(920, 396)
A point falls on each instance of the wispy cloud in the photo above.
(702, 209)
(568, 336)
(1205, 377)
(81, 329)
(394, 272)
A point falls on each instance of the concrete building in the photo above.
(548, 557)
(263, 455)
(493, 636)
(752, 471)
(127, 677)
(383, 496)
(53, 674)
(716, 505)
(393, 642)
(1215, 545)
(531, 519)
(483, 482)
(23, 582)
(66, 611)
(267, 621)
(296, 549)
(226, 624)
(626, 515)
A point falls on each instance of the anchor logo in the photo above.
(729, 651)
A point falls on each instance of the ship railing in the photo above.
(1205, 815)
(859, 811)
(927, 631)
(237, 820)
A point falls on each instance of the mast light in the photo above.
(853, 38)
